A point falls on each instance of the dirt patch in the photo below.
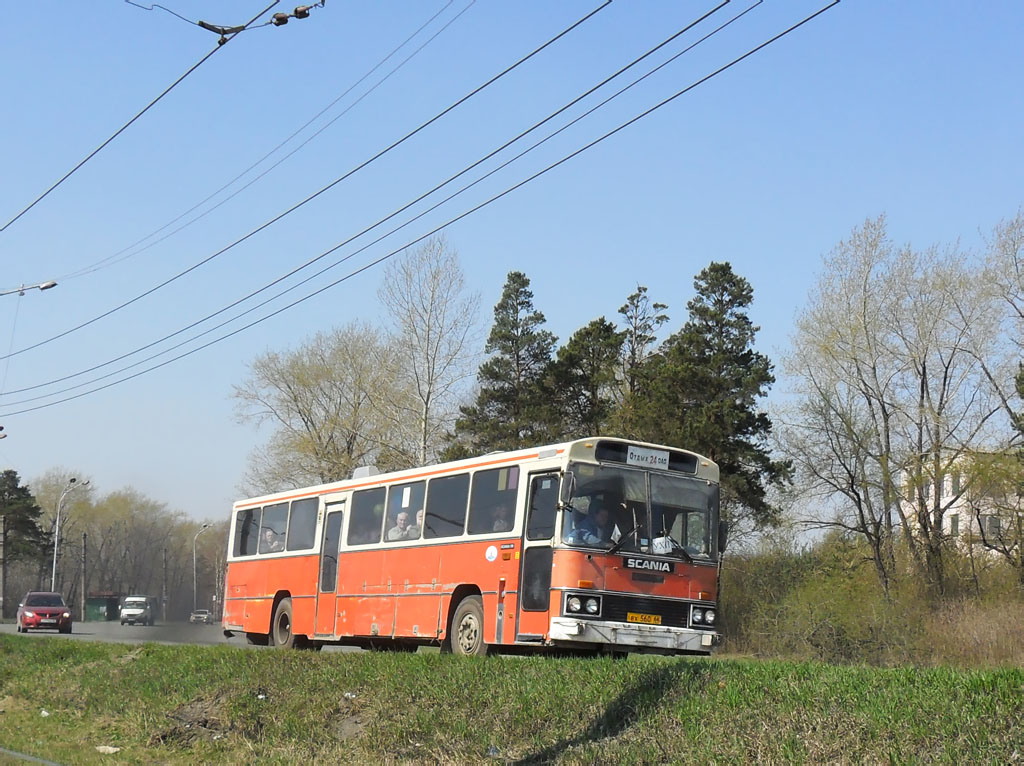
(347, 725)
(201, 719)
(124, 659)
(11, 704)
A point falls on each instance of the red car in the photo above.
(46, 611)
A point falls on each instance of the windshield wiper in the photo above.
(622, 540)
(677, 544)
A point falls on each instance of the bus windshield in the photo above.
(640, 511)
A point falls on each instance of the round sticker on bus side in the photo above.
(492, 553)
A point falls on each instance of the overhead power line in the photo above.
(130, 122)
(448, 223)
(400, 210)
(124, 254)
(324, 189)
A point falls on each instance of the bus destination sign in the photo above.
(647, 458)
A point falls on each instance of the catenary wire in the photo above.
(128, 124)
(124, 254)
(321, 191)
(396, 212)
(448, 223)
(162, 8)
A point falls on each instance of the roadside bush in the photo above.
(824, 603)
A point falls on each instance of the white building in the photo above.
(978, 503)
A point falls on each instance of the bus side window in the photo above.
(493, 500)
(332, 538)
(247, 531)
(366, 519)
(273, 528)
(540, 524)
(405, 499)
(446, 506)
(302, 524)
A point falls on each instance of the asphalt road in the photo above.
(168, 633)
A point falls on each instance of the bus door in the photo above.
(535, 566)
(326, 596)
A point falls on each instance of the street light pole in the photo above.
(21, 290)
(195, 578)
(72, 484)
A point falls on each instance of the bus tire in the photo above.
(467, 634)
(281, 625)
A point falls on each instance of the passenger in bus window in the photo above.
(502, 518)
(416, 529)
(272, 542)
(401, 529)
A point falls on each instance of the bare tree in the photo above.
(435, 323)
(641, 320)
(891, 397)
(328, 401)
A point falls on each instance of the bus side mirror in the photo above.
(723, 535)
(568, 489)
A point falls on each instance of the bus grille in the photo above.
(674, 614)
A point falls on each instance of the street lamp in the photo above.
(194, 577)
(72, 485)
(21, 290)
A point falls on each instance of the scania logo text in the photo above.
(648, 564)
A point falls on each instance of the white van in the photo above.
(136, 611)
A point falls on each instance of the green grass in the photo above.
(183, 704)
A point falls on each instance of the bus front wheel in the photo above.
(467, 634)
(281, 625)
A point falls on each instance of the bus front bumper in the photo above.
(629, 635)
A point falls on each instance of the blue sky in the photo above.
(912, 109)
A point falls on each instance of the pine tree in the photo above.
(508, 411)
(580, 381)
(705, 385)
(20, 534)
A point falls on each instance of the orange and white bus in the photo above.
(594, 545)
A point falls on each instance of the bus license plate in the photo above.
(646, 619)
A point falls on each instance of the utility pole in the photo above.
(3, 566)
(163, 594)
(82, 613)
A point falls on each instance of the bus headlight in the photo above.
(592, 606)
(697, 614)
(573, 604)
(709, 616)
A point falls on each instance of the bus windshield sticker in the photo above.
(647, 458)
(406, 494)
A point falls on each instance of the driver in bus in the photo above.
(597, 527)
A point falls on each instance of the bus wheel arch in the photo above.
(465, 634)
(281, 622)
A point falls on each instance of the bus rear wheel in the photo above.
(467, 633)
(281, 625)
